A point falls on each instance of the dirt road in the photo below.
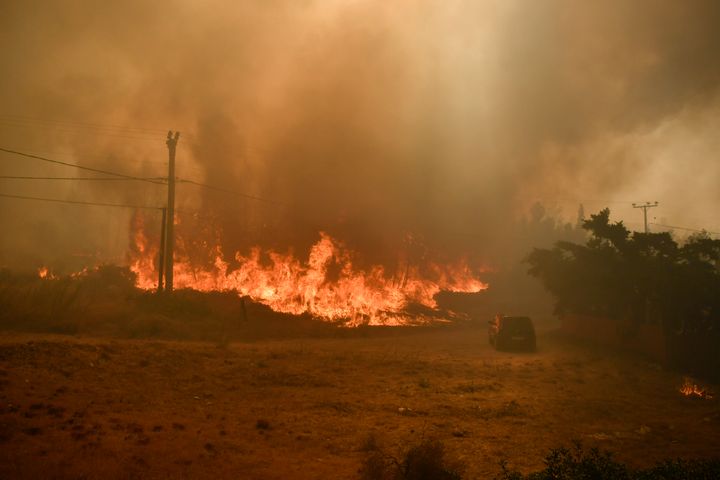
(303, 409)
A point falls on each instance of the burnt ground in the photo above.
(304, 408)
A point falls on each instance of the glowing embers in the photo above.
(326, 285)
(691, 389)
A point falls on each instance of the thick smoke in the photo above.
(375, 121)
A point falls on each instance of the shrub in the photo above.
(593, 464)
(423, 461)
(682, 470)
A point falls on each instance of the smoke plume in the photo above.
(385, 124)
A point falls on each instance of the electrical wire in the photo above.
(24, 120)
(81, 167)
(79, 202)
(94, 157)
(684, 228)
(130, 177)
(112, 134)
(225, 190)
(19, 177)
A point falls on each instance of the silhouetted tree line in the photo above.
(641, 277)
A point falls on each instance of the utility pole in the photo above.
(170, 219)
(645, 207)
(580, 216)
(161, 255)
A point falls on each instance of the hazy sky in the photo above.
(368, 119)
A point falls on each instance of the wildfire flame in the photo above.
(326, 285)
(689, 388)
(45, 273)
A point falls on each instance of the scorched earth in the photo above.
(304, 408)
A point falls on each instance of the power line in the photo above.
(19, 177)
(20, 119)
(79, 202)
(120, 131)
(225, 190)
(645, 207)
(685, 228)
(94, 133)
(126, 177)
(193, 213)
(90, 169)
(573, 200)
(132, 177)
(91, 156)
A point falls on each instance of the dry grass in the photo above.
(312, 408)
(105, 302)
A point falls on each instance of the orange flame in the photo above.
(326, 285)
(689, 388)
(44, 273)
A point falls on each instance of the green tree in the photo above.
(633, 275)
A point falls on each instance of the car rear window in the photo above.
(517, 322)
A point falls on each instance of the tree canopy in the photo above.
(644, 277)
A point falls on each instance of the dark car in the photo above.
(512, 333)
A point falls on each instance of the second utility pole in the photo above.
(170, 220)
(645, 207)
(161, 253)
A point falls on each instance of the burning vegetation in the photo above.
(368, 164)
(690, 388)
(44, 272)
(326, 283)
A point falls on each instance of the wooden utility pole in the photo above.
(170, 219)
(161, 255)
(645, 207)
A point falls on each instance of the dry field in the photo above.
(305, 408)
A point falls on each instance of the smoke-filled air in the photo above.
(373, 239)
(372, 121)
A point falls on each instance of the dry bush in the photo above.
(578, 463)
(105, 301)
(507, 409)
(473, 387)
(370, 444)
(423, 461)
(66, 304)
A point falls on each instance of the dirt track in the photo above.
(92, 408)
